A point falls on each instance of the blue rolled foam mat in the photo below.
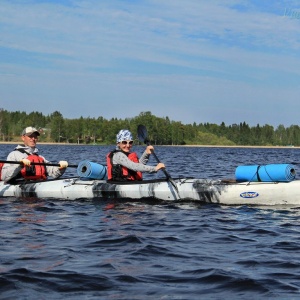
(91, 170)
(266, 173)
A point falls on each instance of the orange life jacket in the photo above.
(1, 166)
(34, 172)
(121, 173)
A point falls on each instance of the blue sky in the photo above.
(192, 61)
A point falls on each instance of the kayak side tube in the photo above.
(203, 190)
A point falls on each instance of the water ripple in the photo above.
(116, 249)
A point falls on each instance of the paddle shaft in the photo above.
(36, 163)
(157, 159)
(142, 135)
(168, 176)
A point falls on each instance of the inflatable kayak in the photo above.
(228, 192)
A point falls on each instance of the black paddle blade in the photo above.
(142, 134)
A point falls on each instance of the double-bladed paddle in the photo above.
(35, 163)
(143, 138)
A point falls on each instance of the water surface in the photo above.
(114, 249)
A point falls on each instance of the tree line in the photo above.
(161, 131)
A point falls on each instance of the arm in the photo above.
(9, 171)
(122, 159)
(145, 157)
(54, 172)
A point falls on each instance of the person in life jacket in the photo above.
(123, 165)
(27, 155)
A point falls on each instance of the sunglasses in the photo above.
(32, 136)
(126, 143)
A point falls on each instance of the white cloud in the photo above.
(193, 56)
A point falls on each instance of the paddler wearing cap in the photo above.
(27, 154)
(124, 165)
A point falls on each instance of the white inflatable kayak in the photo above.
(228, 192)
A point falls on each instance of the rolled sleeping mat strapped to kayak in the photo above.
(91, 170)
(266, 173)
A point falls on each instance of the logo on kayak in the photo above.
(249, 195)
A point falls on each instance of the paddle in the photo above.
(35, 163)
(142, 135)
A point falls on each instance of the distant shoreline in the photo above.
(198, 146)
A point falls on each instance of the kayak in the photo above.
(272, 184)
(227, 192)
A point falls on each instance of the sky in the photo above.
(192, 61)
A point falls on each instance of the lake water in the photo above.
(108, 249)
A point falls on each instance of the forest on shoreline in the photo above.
(54, 128)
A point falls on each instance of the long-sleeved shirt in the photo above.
(10, 171)
(121, 159)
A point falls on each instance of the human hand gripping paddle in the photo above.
(142, 135)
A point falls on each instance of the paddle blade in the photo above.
(142, 134)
